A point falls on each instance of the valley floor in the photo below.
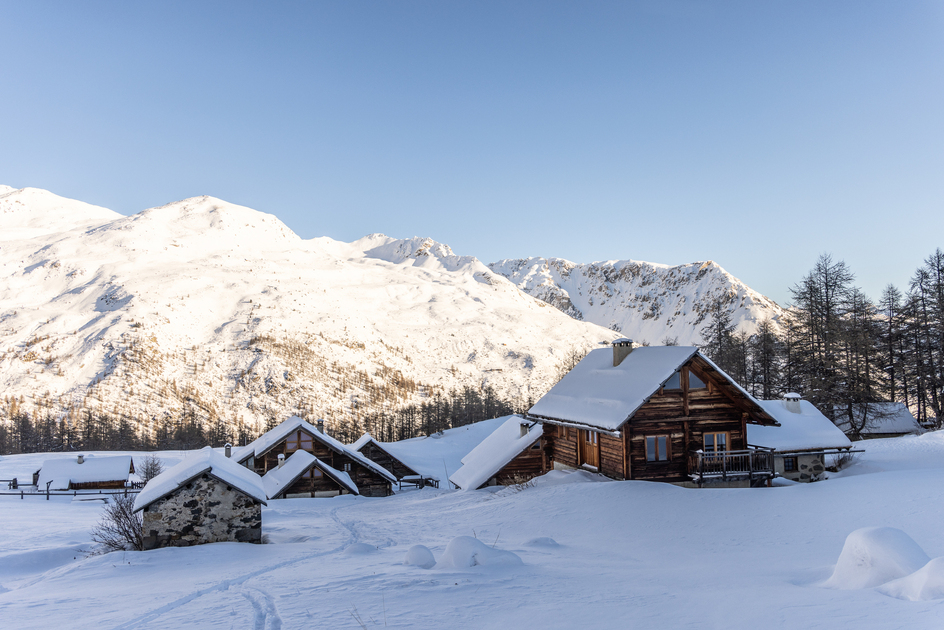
(622, 554)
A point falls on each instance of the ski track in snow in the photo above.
(263, 604)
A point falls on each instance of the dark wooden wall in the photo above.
(314, 484)
(528, 464)
(382, 458)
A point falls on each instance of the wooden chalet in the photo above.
(303, 475)
(661, 413)
(295, 434)
(513, 453)
(375, 452)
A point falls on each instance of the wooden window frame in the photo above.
(300, 439)
(727, 441)
(668, 448)
(794, 460)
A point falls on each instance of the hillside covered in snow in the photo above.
(206, 308)
(209, 310)
(646, 301)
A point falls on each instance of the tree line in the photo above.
(841, 350)
(98, 430)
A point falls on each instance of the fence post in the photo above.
(21, 495)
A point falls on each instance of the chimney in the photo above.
(281, 459)
(524, 429)
(321, 426)
(621, 349)
(229, 450)
(80, 459)
(791, 402)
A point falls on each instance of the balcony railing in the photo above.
(731, 465)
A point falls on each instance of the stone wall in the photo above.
(808, 467)
(204, 510)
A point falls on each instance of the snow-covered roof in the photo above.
(598, 394)
(807, 430)
(272, 437)
(882, 418)
(206, 460)
(94, 469)
(362, 441)
(295, 466)
(495, 451)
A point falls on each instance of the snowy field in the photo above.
(583, 553)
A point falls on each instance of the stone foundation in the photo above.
(205, 510)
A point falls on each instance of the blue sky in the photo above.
(755, 134)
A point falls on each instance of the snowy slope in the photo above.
(602, 555)
(30, 212)
(645, 301)
(205, 305)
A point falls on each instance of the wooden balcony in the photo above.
(753, 465)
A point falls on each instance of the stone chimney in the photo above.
(80, 459)
(281, 459)
(524, 429)
(621, 349)
(321, 426)
(229, 450)
(791, 402)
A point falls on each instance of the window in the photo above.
(694, 382)
(536, 446)
(312, 472)
(674, 383)
(716, 442)
(657, 448)
(299, 440)
(347, 467)
(790, 464)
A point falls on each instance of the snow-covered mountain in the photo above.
(645, 301)
(207, 306)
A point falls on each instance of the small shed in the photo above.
(511, 454)
(303, 475)
(868, 421)
(205, 498)
(802, 441)
(86, 472)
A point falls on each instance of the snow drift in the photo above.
(873, 556)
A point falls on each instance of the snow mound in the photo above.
(420, 556)
(359, 549)
(561, 477)
(542, 541)
(924, 584)
(463, 552)
(873, 556)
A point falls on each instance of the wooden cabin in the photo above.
(85, 473)
(513, 453)
(303, 475)
(295, 434)
(375, 452)
(660, 413)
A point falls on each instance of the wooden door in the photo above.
(589, 448)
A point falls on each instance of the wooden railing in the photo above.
(750, 464)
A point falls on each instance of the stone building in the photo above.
(803, 440)
(204, 499)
